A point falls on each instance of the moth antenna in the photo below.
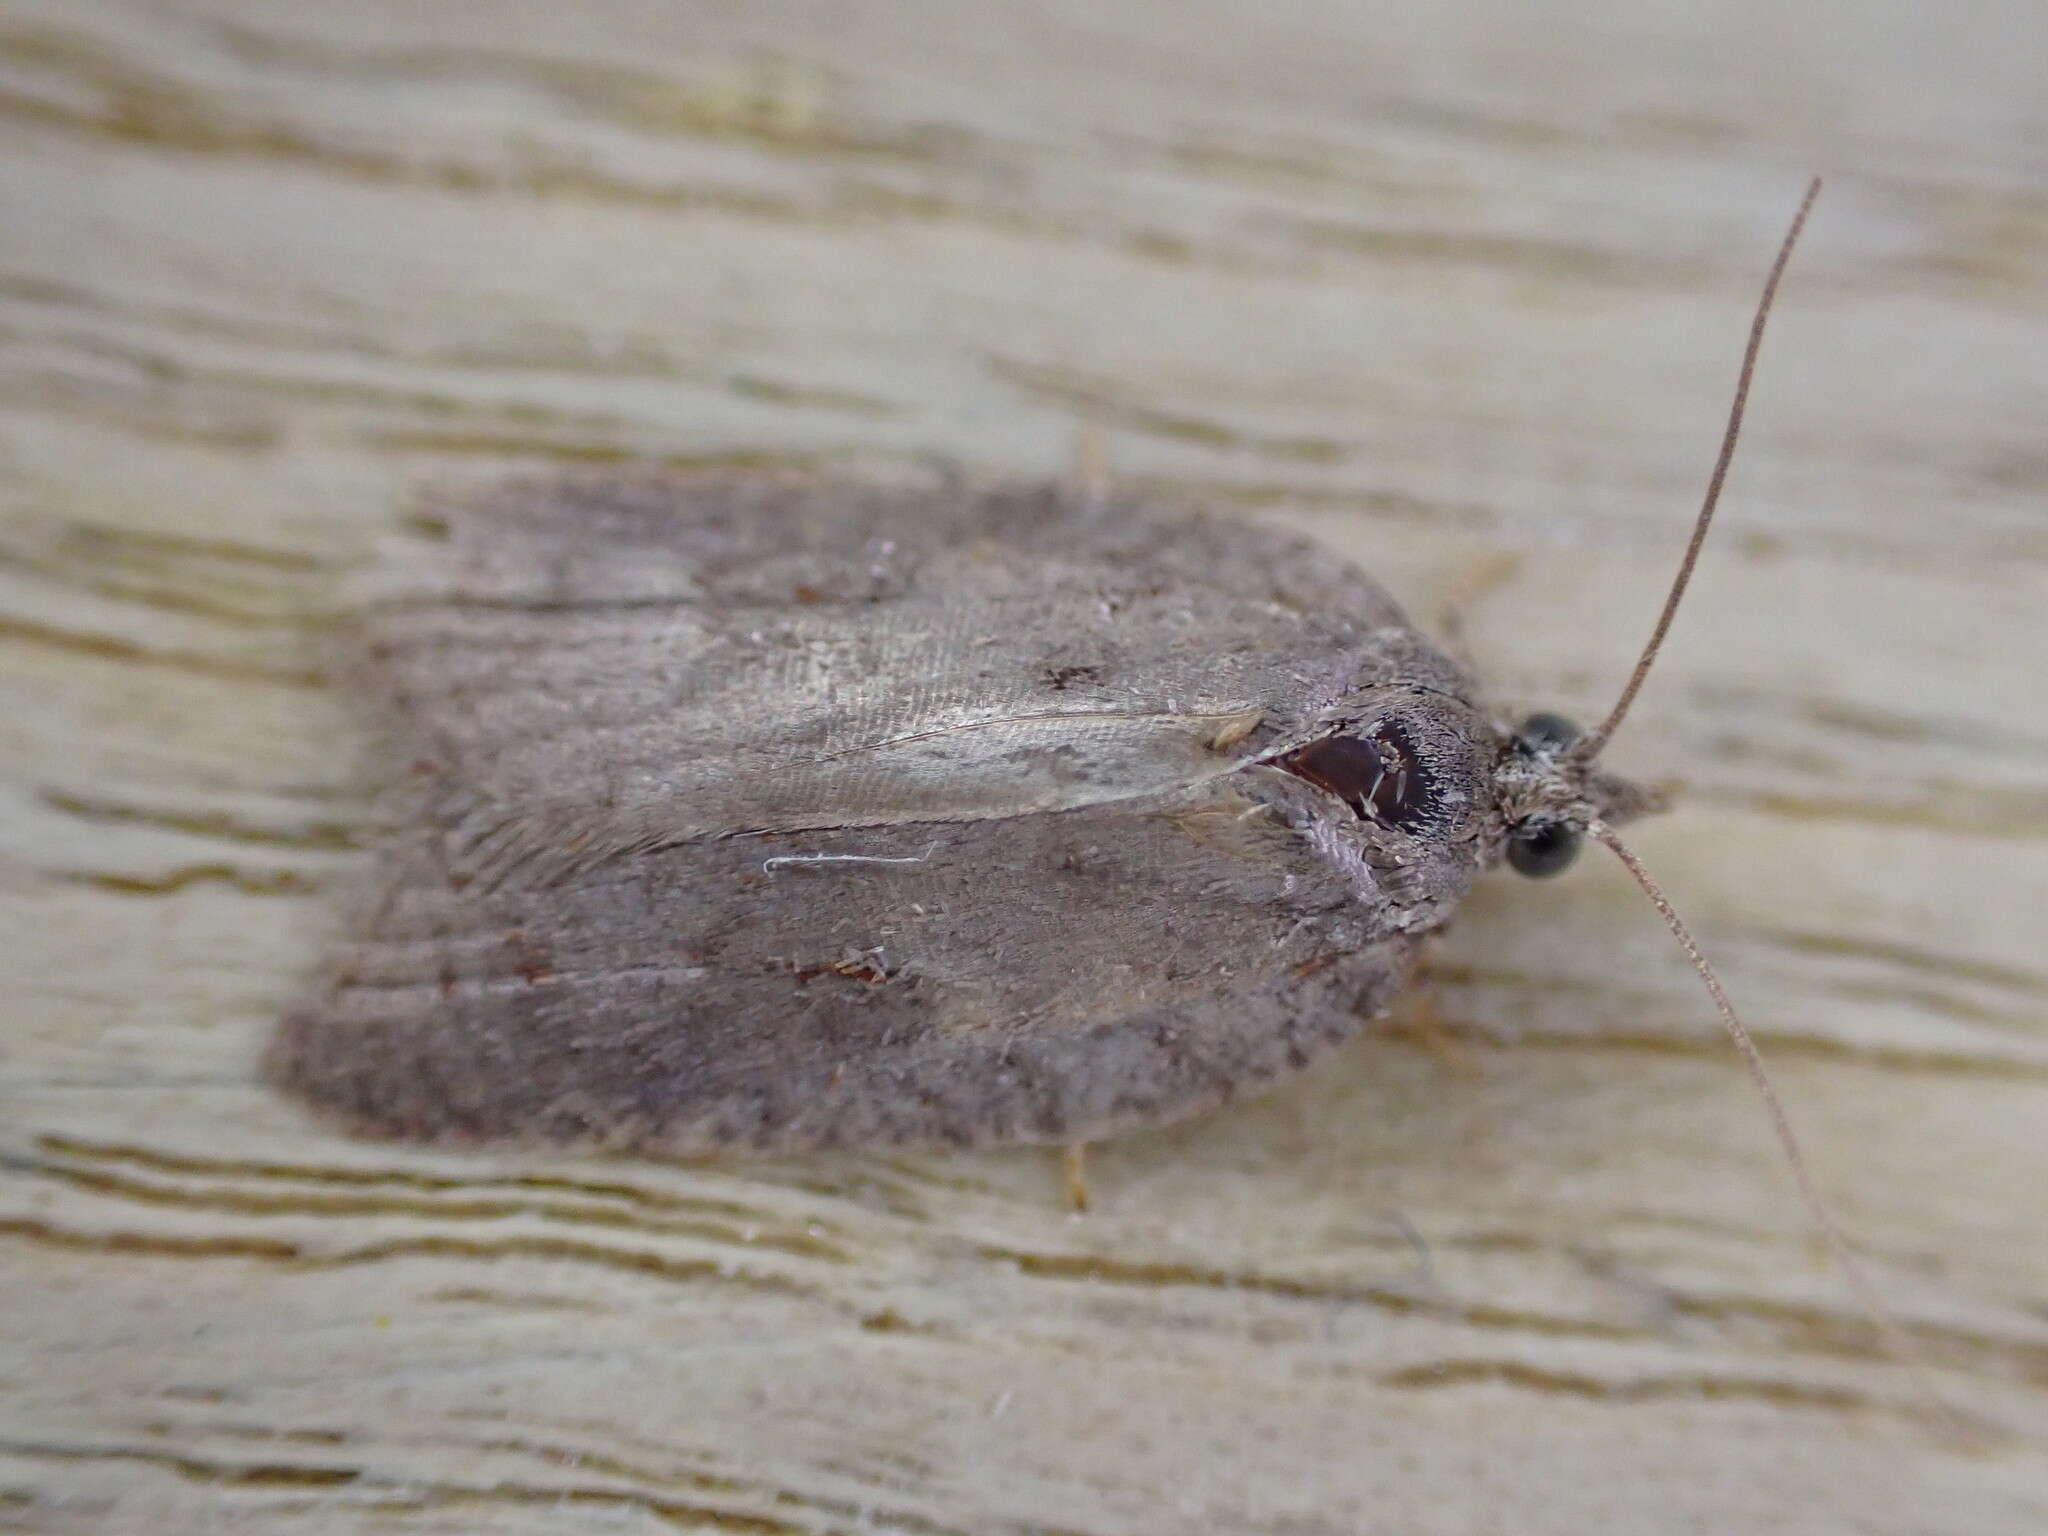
(1588, 746)
(1897, 1340)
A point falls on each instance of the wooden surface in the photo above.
(1460, 289)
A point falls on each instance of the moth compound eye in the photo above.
(1545, 734)
(1540, 849)
(1378, 775)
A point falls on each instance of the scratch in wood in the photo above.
(1704, 1386)
(296, 1256)
(102, 562)
(168, 365)
(180, 546)
(1818, 1330)
(268, 1434)
(169, 117)
(1976, 810)
(1909, 959)
(730, 1490)
(1908, 1060)
(782, 112)
(1603, 1039)
(754, 1237)
(508, 448)
(624, 1261)
(130, 653)
(1387, 1297)
(445, 1499)
(866, 1512)
(153, 110)
(152, 1244)
(1307, 504)
(216, 325)
(1867, 725)
(1292, 164)
(57, 1145)
(1555, 260)
(249, 882)
(267, 1475)
(1796, 1329)
(161, 597)
(1105, 402)
(93, 545)
(225, 826)
(2020, 1022)
(521, 1301)
(172, 425)
(249, 1474)
(812, 397)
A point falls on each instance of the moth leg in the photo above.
(1074, 1174)
(1468, 587)
(1091, 461)
(1416, 1013)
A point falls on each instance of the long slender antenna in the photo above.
(1588, 746)
(1897, 1340)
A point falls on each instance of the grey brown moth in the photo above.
(754, 814)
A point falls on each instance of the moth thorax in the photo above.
(1378, 774)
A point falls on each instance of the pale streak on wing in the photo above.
(590, 666)
(601, 732)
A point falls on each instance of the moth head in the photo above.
(1548, 796)
(1424, 790)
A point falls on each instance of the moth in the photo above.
(753, 814)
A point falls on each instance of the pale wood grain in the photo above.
(1440, 284)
